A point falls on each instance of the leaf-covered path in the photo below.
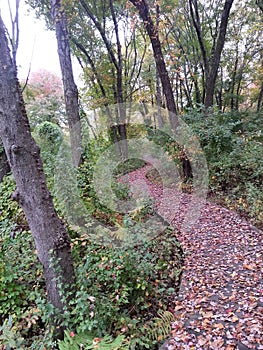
(220, 302)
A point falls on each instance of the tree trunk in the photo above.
(113, 130)
(260, 97)
(118, 65)
(152, 31)
(215, 59)
(49, 233)
(120, 97)
(233, 82)
(70, 88)
(211, 64)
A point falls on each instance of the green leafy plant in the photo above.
(74, 341)
(159, 328)
(10, 337)
(232, 143)
(121, 289)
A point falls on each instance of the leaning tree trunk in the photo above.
(49, 233)
(152, 30)
(70, 88)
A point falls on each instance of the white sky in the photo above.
(36, 44)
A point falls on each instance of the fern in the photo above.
(159, 328)
(88, 342)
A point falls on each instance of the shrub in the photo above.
(232, 143)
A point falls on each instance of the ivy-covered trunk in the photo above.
(51, 238)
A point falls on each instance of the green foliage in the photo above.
(11, 216)
(159, 328)
(119, 289)
(20, 270)
(122, 290)
(129, 165)
(15, 336)
(233, 146)
(9, 337)
(88, 342)
(21, 273)
(50, 133)
(49, 138)
(93, 151)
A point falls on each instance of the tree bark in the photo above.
(143, 9)
(113, 130)
(51, 238)
(152, 30)
(118, 65)
(70, 88)
(233, 82)
(211, 64)
(120, 97)
(260, 97)
(215, 59)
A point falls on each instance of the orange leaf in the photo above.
(219, 325)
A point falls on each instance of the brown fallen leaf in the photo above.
(248, 267)
(219, 325)
(207, 314)
(202, 341)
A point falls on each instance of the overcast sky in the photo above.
(36, 44)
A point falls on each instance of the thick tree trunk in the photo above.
(70, 88)
(50, 236)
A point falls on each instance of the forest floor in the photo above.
(220, 301)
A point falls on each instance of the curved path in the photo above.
(220, 302)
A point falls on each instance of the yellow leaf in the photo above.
(235, 318)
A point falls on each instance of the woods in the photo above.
(97, 179)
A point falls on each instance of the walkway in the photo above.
(220, 303)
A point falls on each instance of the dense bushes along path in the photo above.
(220, 302)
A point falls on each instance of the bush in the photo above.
(121, 284)
(232, 143)
(120, 291)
